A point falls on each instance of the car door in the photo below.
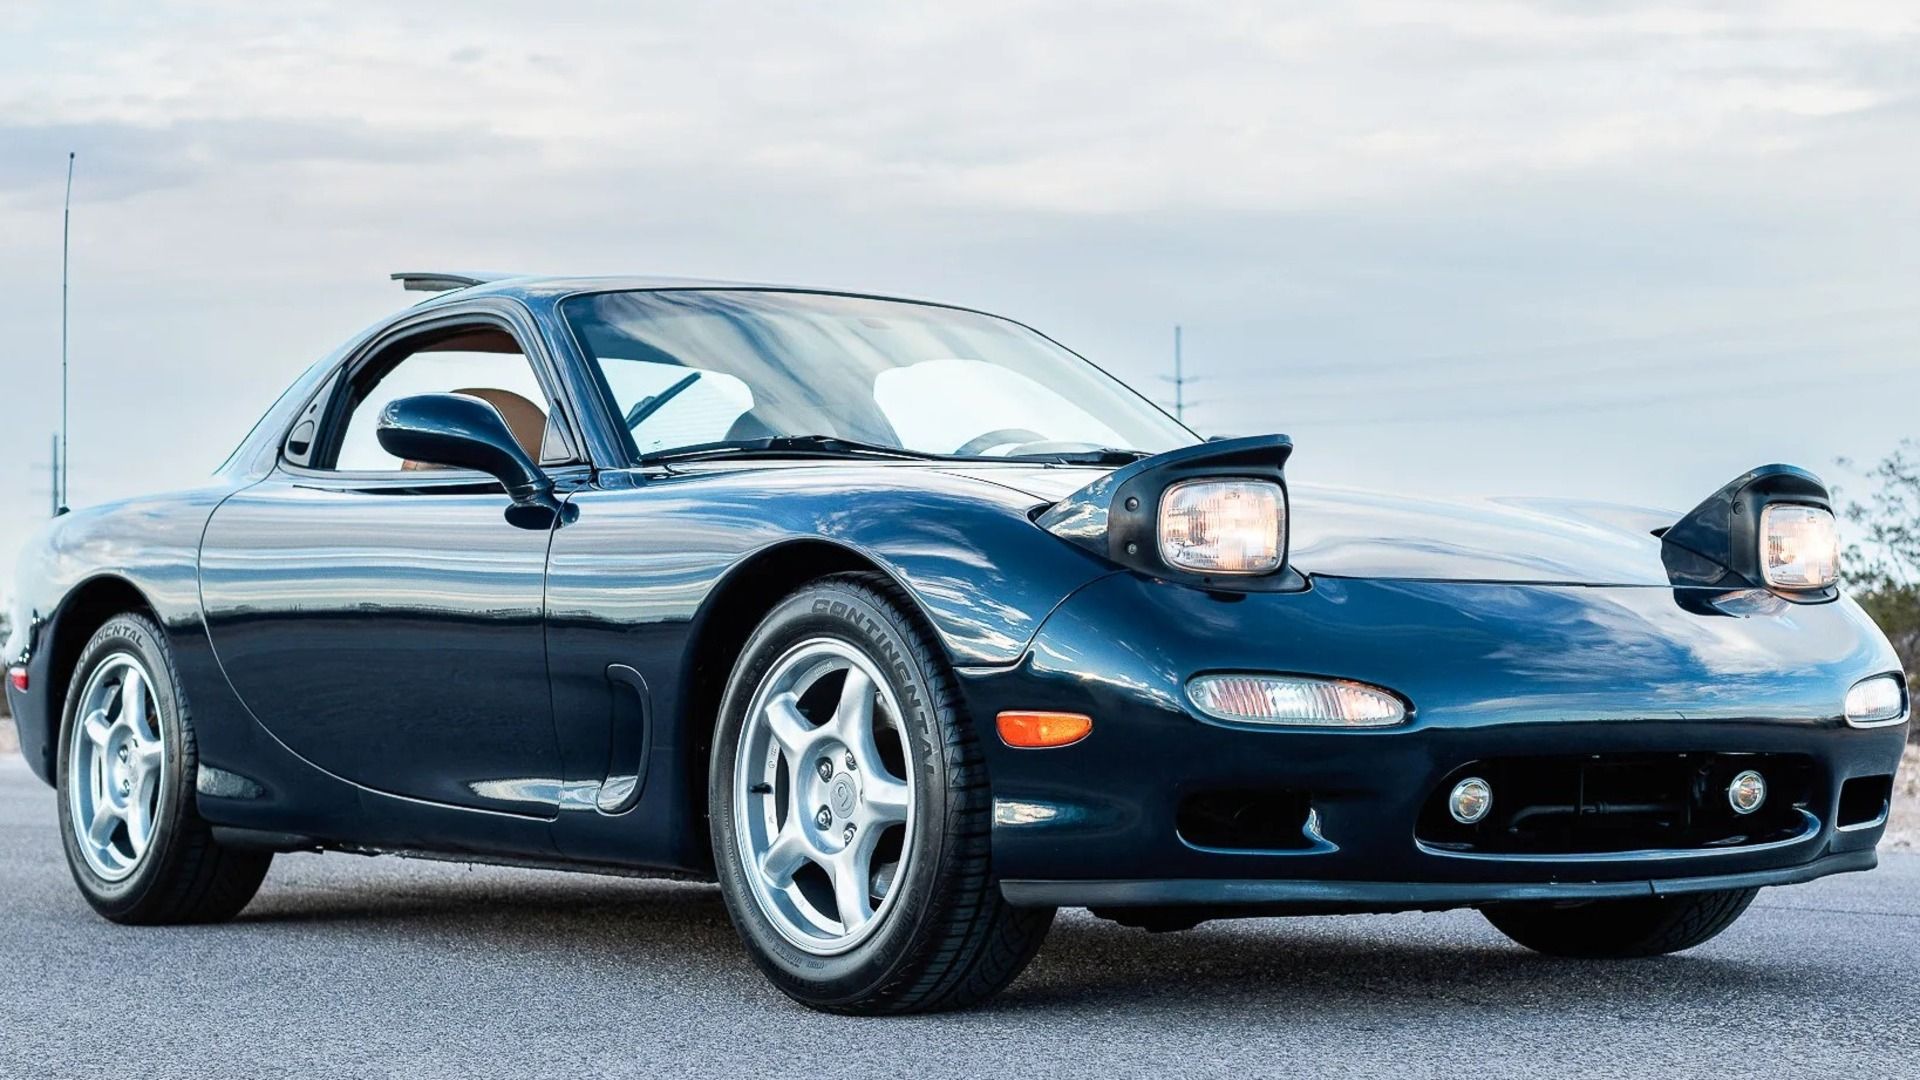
(383, 619)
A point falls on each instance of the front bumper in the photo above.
(1492, 670)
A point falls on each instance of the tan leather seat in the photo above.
(527, 421)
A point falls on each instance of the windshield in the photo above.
(697, 367)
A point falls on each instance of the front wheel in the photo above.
(1617, 929)
(850, 812)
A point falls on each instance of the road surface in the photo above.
(348, 966)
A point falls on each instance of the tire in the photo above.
(1618, 929)
(179, 875)
(939, 936)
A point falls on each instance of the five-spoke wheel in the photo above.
(851, 812)
(118, 765)
(826, 815)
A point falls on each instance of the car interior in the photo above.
(482, 362)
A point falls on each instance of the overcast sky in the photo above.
(1623, 251)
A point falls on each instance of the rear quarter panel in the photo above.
(150, 545)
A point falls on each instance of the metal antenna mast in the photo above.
(66, 234)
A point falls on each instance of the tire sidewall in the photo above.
(848, 615)
(135, 635)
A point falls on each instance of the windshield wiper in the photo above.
(786, 446)
(1106, 455)
(646, 407)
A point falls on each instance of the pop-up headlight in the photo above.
(1799, 547)
(1771, 528)
(1223, 526)
(1213, 514)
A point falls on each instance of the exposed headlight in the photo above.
(1283, 699)
(1223, 526)
(1799, 547)
(1877, 702)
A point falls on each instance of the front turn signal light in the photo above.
(1287, 700)
(1031, 730)
(1877, 702)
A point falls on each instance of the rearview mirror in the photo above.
(461, 432)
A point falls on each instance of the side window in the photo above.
(484, 362)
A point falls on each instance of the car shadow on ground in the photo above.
(1325, 965)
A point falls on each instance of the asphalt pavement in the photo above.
(350, 966)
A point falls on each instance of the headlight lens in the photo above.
(1877, 702)
(1223, 526)
(1799, 547)
(1284, 699)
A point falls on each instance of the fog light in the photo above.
(1470, 801)
(1747, 792)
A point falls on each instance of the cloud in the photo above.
(1419, 236)
(125, 159)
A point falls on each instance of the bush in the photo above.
(1883, 568)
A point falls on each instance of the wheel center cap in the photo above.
(844, 796)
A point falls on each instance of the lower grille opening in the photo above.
(1864, 801)
(1245, 820)
(1610, 803)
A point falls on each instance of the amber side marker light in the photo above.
(1040, 730)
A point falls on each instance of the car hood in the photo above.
(1353, 533)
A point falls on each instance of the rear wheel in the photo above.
(137, 847)
(1617, 929)
(850, 812)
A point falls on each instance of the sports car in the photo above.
(908, 626)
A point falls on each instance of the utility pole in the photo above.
(1179, 380)
(66, 237)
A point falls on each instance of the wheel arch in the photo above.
(86, 608)
(727, 618)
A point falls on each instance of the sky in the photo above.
(1619, 251)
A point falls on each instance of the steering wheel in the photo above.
(998, 438)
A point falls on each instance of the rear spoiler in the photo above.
(446, 281)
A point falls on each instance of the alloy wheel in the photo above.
(823, 808)
(116, 765)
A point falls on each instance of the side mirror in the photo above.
(463, 432)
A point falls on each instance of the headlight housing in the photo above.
(1880, 701)
(1799, 547)
(1286, 700)
(1223, 526)
(1212, 515)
